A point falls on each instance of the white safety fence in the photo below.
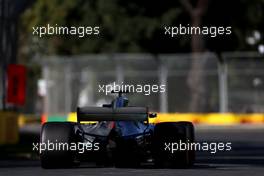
(194, 83)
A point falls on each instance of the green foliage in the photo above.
(122, 25)
(136, 25)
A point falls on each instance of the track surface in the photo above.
(246, 158)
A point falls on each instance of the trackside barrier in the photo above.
(24, 119)
(9, 131)
(201, 118)
(211, 118)
(197, 118)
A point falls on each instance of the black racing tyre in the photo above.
(53, 133)
(166, 141)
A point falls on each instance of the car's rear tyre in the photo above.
(57, 133)
(168, 136)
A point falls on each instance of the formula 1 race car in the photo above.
(121, 136)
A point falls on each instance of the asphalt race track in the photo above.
(246, 158)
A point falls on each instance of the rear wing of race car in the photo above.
(112, 114)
